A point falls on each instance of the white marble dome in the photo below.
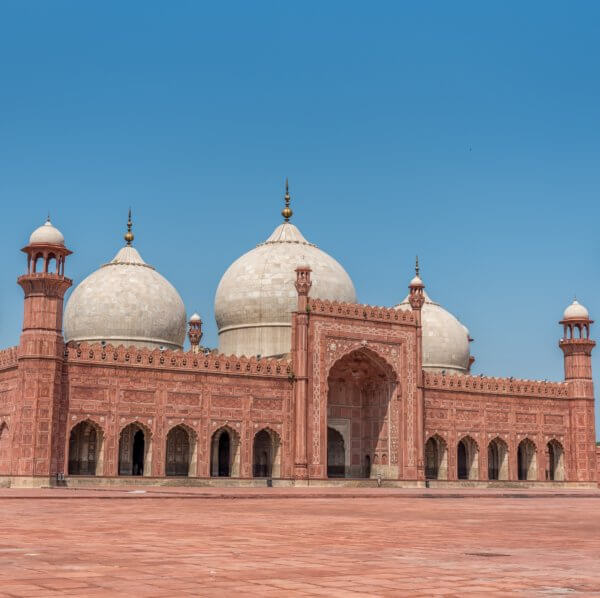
(576, 311)
(445, 339)
(256, 296)
(126, 302)
(47, 234)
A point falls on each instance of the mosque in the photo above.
(308, 386)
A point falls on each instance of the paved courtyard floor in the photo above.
(342, 543)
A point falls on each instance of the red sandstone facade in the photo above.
(353, 401)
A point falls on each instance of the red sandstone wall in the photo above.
(484, 408)
(9, 382)
(115, 387)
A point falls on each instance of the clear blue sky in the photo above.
(466, 132)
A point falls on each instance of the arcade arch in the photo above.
(181, 452)
(497, 459)
(135, 450)
(556, 461)
(436, 458)
(467, 459)
(86, 449)
(225, 453)
(527, 460)
(266, 458)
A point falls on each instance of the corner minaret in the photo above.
(577, 347)
(576, 343)
(38, 449)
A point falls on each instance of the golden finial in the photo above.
(287, 211)
(129, 234)
(417, 266)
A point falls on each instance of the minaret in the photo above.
(39, 442)
(577, 347)
(416, 298)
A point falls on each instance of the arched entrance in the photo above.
(527, 460)
(134, 450)
(467, 459)
(336, 454)
(85, 449)
(360, 386)
(265, 455)
(4, 449)
(497, 460)
(436, 458)
(556, 461)
(225, 457)
(180, 453)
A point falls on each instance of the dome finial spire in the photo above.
(417, 265)
(287, 211)
(129, 235)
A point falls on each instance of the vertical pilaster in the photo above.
(300, 367)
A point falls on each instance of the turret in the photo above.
(44, 286)
(39, 442)
(576, 343)
(195, 332)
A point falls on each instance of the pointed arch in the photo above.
(135, 450)
(266, 454)
(4, 448)
(467, 461)
(225, 453)
(86, 448)
(527, 460)
(497, 459)
(556, 461)
(181, 451)
(436, 458)
(360, 386)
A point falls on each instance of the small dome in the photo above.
(445, 338)
(256, 296)
(576, 311)
(46, 234)
(126, 302)
(195, 318)
(416, 282)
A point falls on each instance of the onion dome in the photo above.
(195, 318)
(126, 302)
(256, 296)
(445, 338)
(47, 234)
(576, 311)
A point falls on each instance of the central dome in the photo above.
(256, 296)
(126, 302)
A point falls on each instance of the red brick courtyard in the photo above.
(317, 542)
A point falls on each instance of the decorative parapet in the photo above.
(361, 312)
(188, 361)
(8, 358)
(498, 386)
